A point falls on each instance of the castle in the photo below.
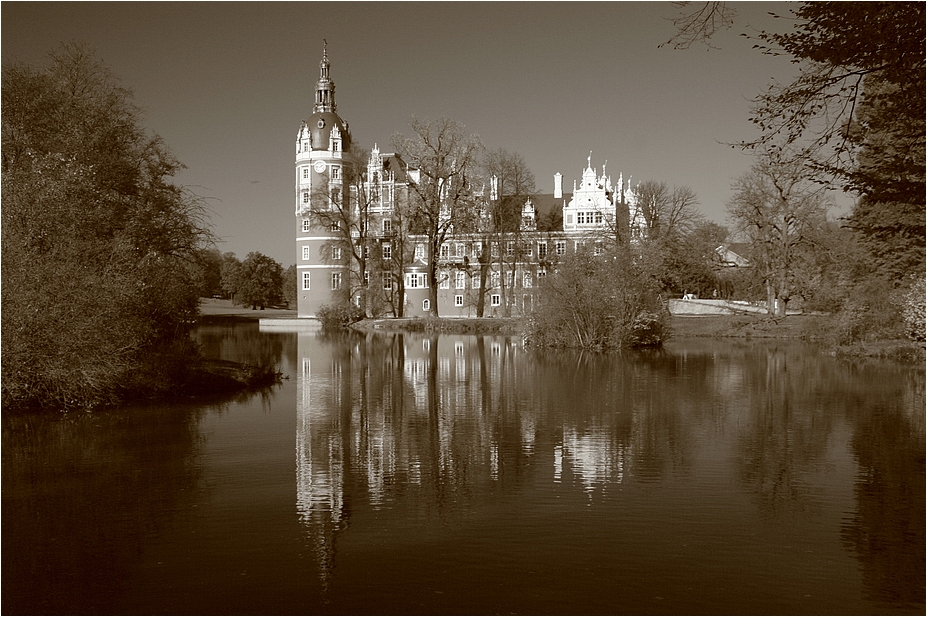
(355, 245)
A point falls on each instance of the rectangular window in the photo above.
(305, 281)
(387, 225)
(598, 218)
(542, 273)
(494, 249)
(305, 253)
(509, 279)
(526, 282)
(307, 225)
(366, 279)
(560, 247)
(305, 197)
(510, 249)
(387, 251)
(305, 173)
(597, 249)
(460, 281)
(416, 281)
(334, 227)
(542, 250)
(366, 252)
(460, 250)
(336, 280)
(336, 172)
(336, 253)
(494, 279)
(580, 218)
(495, 300)
(387, 280)
(445, 279)
(445, 251)
(526, 249)
(419, 251)
(475, 281)
(458, 300)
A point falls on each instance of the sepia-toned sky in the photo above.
(227, 85)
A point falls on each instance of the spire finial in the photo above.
(589, 160)
(324, 87)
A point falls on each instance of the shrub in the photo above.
(597, 302)
(339, 316)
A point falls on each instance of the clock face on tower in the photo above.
(320, 166)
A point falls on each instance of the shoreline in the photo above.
(810, 328)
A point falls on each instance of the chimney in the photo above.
(558, 185)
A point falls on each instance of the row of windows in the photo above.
(335, 144)
(413, 281)
(494, 300)
(387, 253)
(335, 281)
(387, 224)
(588, 217)
(334, 172)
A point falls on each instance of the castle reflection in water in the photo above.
(432, 420)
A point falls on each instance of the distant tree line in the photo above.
(259, 281)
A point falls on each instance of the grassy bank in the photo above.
(815, 328)
(456, 325)
(812, 328)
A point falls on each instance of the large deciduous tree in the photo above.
(510, 184)
(778, 210)
(443, 160)
(98, 243)
(670, 215)
(260, 281)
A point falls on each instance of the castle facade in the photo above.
(355, 242)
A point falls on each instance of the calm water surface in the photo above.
(461, 474)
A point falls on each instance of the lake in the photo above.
(414, 474)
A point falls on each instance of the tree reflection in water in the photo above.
(710, 476)
(441, 424)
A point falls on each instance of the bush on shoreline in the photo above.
(598, 302)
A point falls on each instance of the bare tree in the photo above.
(511, 184)
(344, 209)
(777, 208)
(698, 22)
(669, 213)
(443, 160)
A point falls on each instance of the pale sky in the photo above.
(227, 85)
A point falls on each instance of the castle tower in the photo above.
(321, 168)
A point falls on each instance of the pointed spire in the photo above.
(324, 87)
